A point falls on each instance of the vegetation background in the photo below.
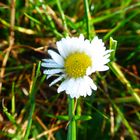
(29, 108)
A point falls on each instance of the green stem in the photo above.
(72, 122)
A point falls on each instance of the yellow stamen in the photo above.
(76, 64)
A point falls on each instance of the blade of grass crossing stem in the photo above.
(89, 29)
(32, 102)
(72, 122)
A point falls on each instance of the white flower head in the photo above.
(76, 60)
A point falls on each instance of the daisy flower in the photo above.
(76, 60)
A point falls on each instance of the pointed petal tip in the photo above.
(50, 85)
(95, 88)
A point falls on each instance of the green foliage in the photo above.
(30, 109)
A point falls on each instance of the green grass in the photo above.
(30, 109)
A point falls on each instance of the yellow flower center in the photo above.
(76, 64)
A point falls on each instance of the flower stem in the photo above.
(72, 122)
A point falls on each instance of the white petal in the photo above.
(96, 42)
(78, 87)
(64, 46)
(107, 56)
(70, 86)
(56, 57)
(73, 88)
(108, 51)
(89, 91)
(105, 61)
(63, 86)
(81, 37)
(51, 65)
(85, 88)
(61, 48)
(56, 80)
(53, 71)
(103, 68)
(90, 82)
(82, 89)
(99, 62)
(84, 92)
(89, 71)
(48, 60)
(48, 76)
